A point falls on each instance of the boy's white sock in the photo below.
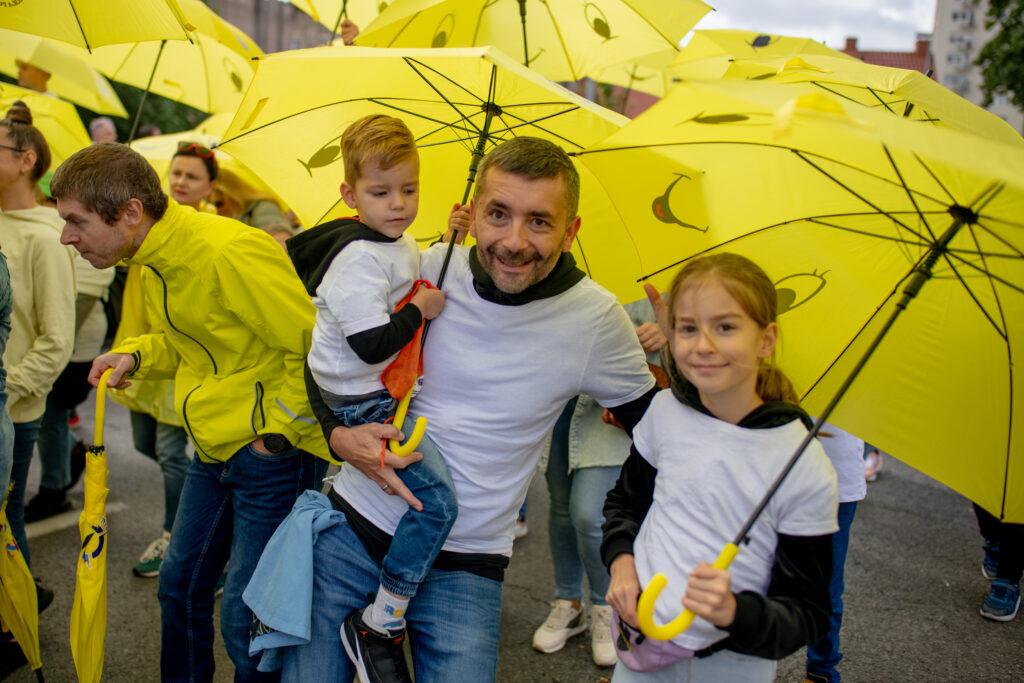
(387, 612)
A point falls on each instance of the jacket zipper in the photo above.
(258, 406)
(188, 426)
(167, 315)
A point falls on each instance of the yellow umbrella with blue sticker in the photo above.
(89, 611)
(19, 611)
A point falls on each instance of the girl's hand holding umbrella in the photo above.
(624, 588)
(120, 363)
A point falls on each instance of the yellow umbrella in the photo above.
(909, 94)
(89, 611)
(565, 40)
(19, 611)
(56, 119)
(649, 73)
(897, 249)
(91, 23)
(70, 77)
(329, 13)
(710, 52)
(209, 73)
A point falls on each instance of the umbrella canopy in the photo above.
(70, 77)
(19, 610)
(649, 73)
(89, 610)
(841, 205)
(456, 102)
(905, 93)
(710, 52)
(565, 40)
(329, 13)
(209, 73)
(91, 23)
(56, 119)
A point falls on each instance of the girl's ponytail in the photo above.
(773, 385)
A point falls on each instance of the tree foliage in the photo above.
(1002, 58)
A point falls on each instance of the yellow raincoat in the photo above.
(237, 325)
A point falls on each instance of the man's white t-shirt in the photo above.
(711, 476)
(359, 292)
(495, 379)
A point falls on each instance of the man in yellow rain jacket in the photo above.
(236, 328)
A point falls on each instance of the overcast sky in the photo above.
(878, 24)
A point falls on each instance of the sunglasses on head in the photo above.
(195, 148)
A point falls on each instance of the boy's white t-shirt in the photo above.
(846, 452)
(711, 476)
(495, 379)
(359, 292)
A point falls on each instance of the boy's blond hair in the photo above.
(377, 137)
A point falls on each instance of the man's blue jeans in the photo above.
(575, 518)
(453, 621)
(420, 534)
(25, 435)
(824, 656)
(166, 445)
(226, 509)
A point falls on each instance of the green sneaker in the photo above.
(148, 564)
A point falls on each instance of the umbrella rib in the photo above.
(561, 42)
(412, 63)
(852, 99)
(987, 273)
(907, 191)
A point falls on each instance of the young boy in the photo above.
(358, 270)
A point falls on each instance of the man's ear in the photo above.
(348, 195)
(570, 233)
(132, 212)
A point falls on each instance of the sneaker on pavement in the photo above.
(872, 465)
(520, 529)
(990, 563)
(148, 564)
(378, 657)
(564, 622)
(601, 646)
(1002, 602)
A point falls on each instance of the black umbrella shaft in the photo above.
(142, 102)
(921, 274)
(522, 20)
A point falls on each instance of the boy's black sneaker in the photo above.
(378, 658)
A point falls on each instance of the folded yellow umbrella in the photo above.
(19, 611)
(89, 611)
(565, 40)
(70, 77)
(209, 73)
(710, 52)
(56, 119)
(91, 23)
(458, 103)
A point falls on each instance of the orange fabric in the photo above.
(400, 376)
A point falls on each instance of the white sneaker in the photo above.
(564, 622)
(601, 645)
(520, 528)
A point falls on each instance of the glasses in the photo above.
(13, 149)
(195, 148)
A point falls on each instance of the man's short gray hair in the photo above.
(533, 158)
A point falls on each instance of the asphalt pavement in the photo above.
(913, 586)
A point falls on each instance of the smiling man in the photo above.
(522, 332)
(236, 326)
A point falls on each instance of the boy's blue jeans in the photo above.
(226, 509)
(824, 656)
(420, 534)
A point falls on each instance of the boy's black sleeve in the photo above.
(629, 414)
(796, 610)
(324, 415)
(380, 343)
(626, 505)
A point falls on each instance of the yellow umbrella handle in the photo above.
(645, 608)
(101, 406)
(417, 432)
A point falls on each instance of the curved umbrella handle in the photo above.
(645, 608)
(417, 433)
(101, 406)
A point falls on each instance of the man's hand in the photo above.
(458, 223)
(709, 595)
(651, 337)
(122, 363)
(429, 301)
(349, 31)
(360, 447)
(624, 588)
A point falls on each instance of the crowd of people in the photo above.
(270, 352)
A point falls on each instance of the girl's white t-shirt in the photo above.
(495, 379)
(711, 476)
(359, 292)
